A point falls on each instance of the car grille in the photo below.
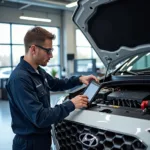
(73, 136)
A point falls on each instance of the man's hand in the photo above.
(86, 79)
(80, 101)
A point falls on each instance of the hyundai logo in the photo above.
(88, 140)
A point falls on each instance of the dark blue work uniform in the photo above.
(29, 100)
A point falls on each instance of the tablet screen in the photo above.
(91, 90)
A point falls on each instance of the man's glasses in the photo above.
(48, 50)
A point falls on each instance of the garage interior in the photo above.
(69, 54)
(123, 69)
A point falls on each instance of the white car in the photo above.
(119, 116)
(5, 72)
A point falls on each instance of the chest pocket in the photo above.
(40, 90)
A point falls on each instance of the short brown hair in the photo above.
(36, 35)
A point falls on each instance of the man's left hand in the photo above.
(86, 79)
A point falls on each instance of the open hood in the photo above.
(116, 29)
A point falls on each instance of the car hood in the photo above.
(116, 29)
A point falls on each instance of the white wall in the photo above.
(11, 15)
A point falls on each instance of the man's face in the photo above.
(43, 53)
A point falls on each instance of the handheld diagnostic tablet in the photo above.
(91, 90)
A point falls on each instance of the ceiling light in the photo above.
(35, 19)
(71, 5)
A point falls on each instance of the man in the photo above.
(28, 91)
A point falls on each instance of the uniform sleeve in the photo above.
(62, 84)
(28, 103)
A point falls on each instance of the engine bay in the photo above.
(121, 99)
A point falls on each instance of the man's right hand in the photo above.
(80, 101)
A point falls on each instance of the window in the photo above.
(5, 59)
(55, 61)
(5, 72)
(5, 33)
(12, 47)
(81, 40)
(85, 51)
(17, 52)
(18, 33)
(137, 63)
(142, 63)
(55, 31)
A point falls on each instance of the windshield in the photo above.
(138, 63)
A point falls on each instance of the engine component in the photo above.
(103, 93)
(127, 98)
(145, 104)
(128, 95)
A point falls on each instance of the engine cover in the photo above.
(128, 95)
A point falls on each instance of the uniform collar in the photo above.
(26, 65)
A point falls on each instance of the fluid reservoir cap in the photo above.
(144, 104)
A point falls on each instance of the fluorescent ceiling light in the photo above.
(35, 19)
(71, 5)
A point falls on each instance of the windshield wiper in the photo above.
(128, 72)
(144, 72)
(135, 73)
